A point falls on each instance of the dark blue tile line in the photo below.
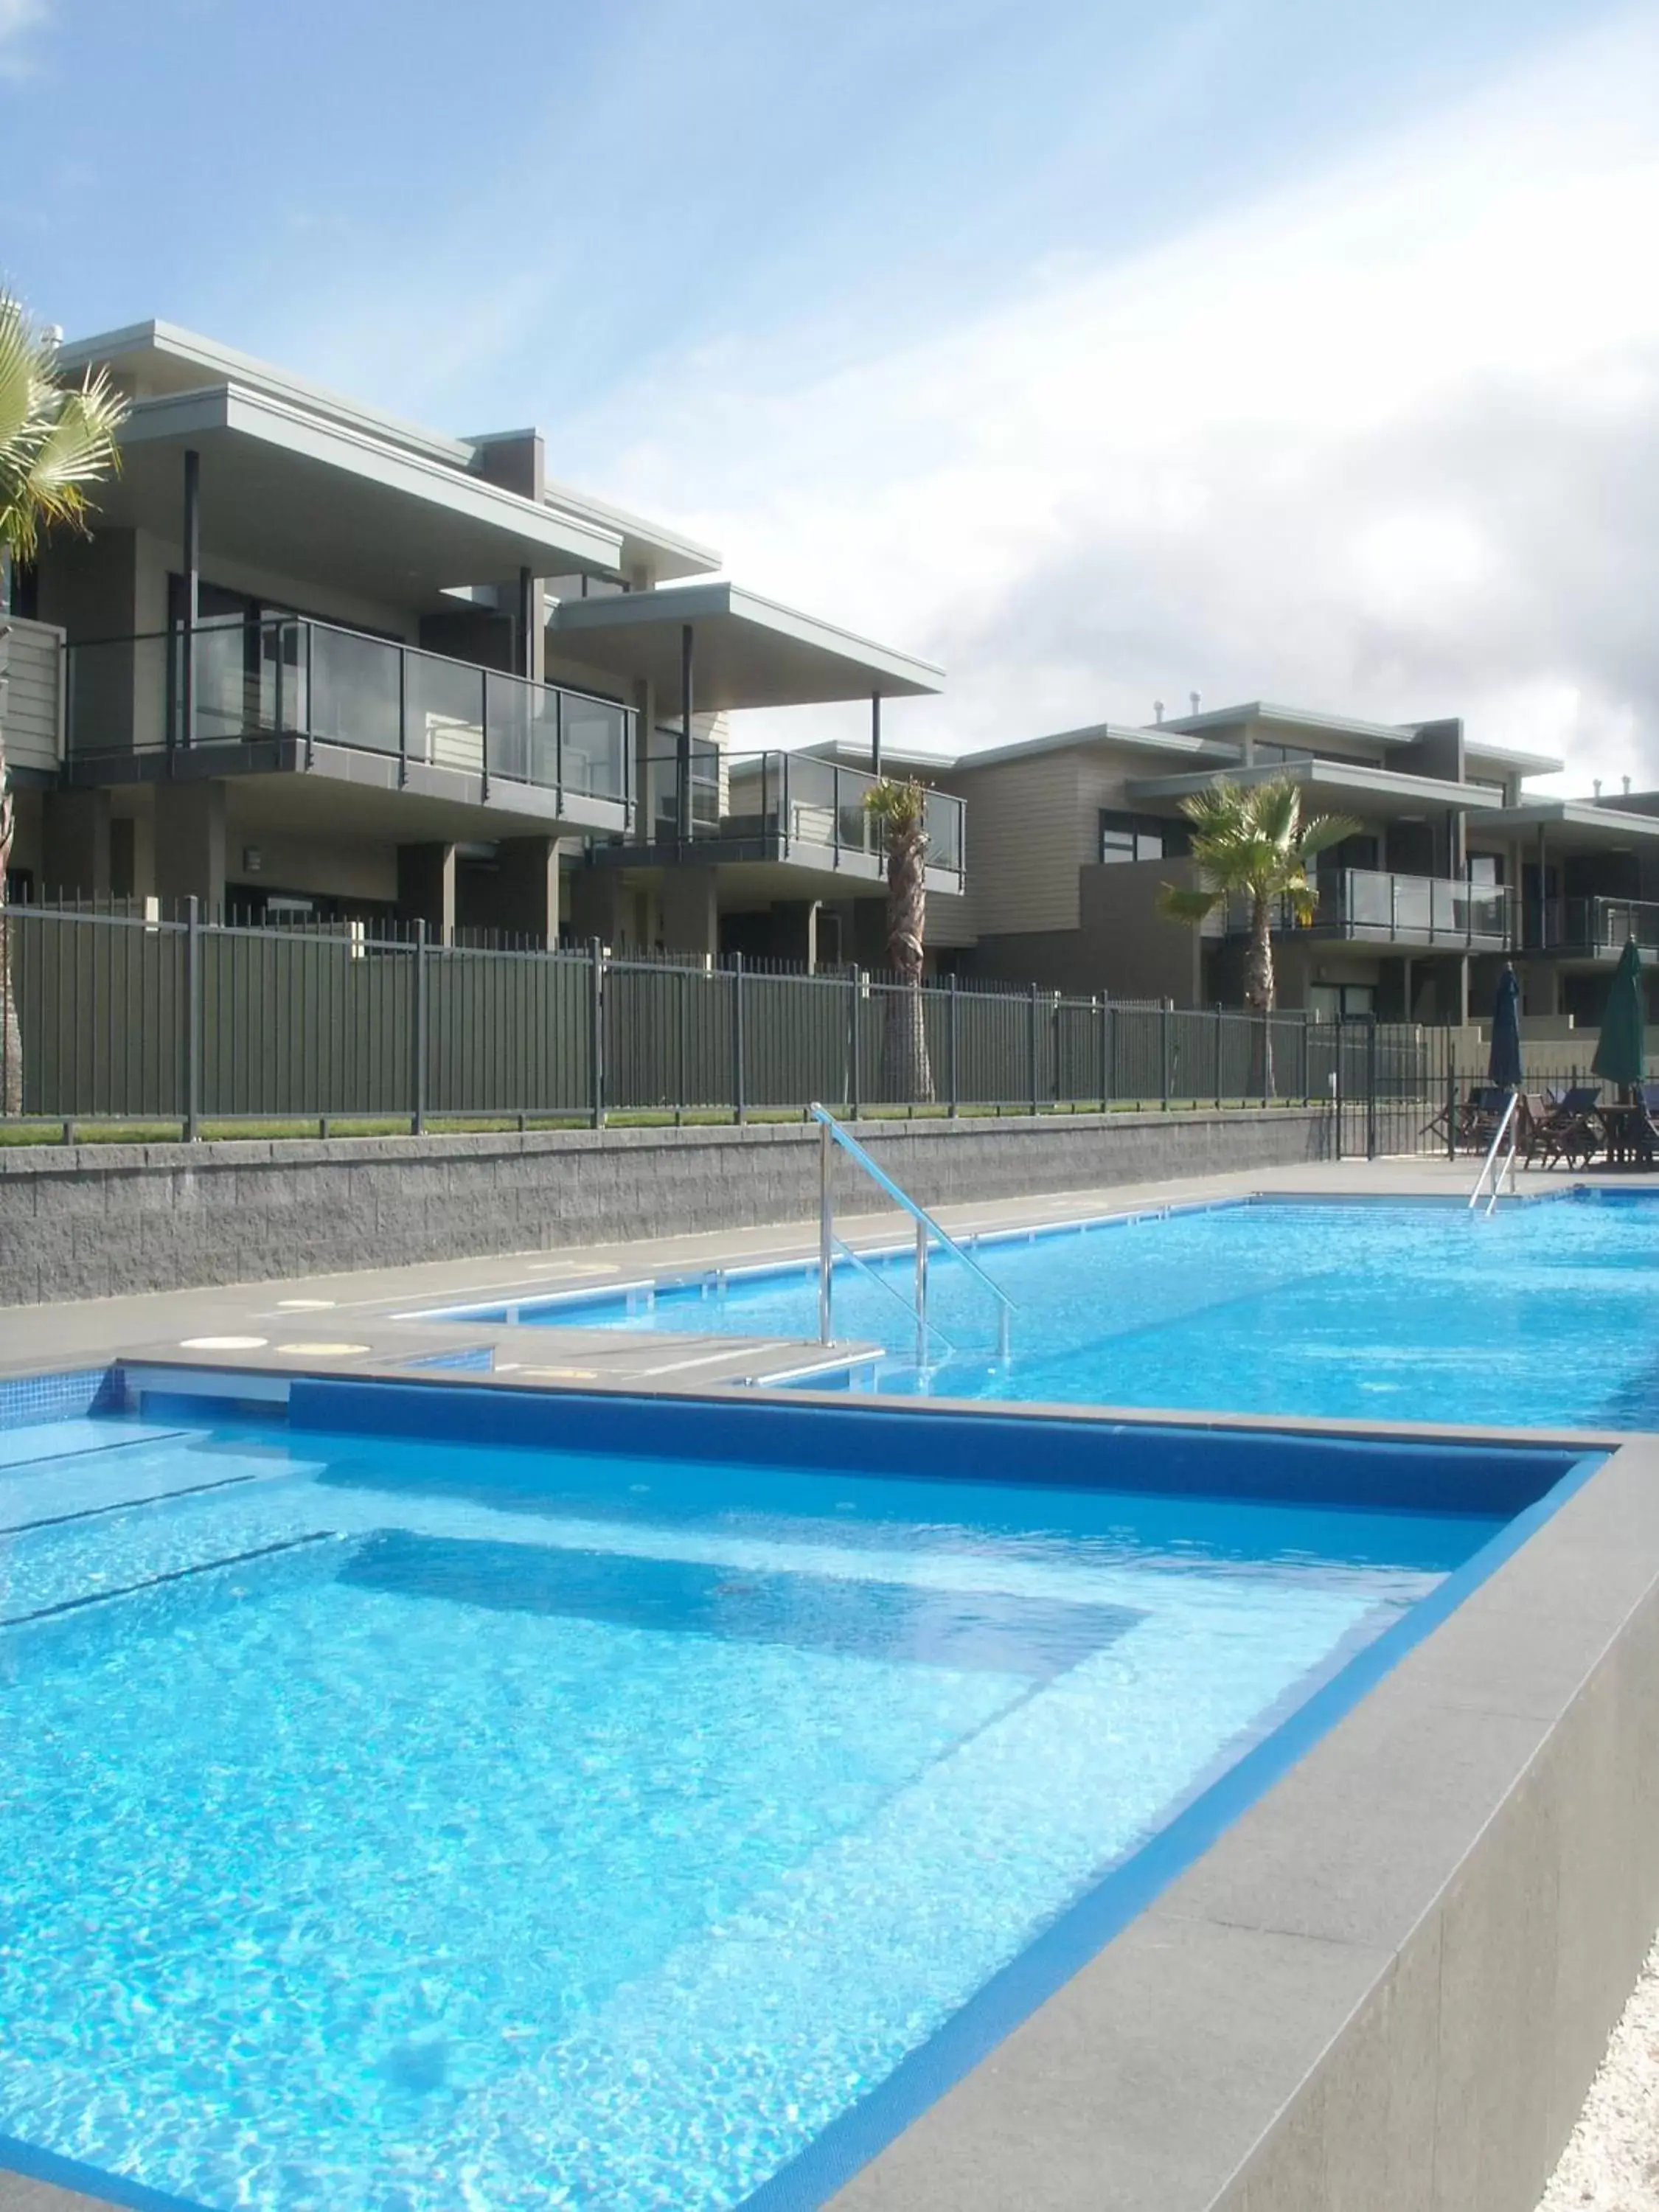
(172, 1575)
(1081, 1932)
(921, 1443)
(124, 1505)
(35, 2164)
(91, 1451)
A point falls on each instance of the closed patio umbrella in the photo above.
(1504, 1062)
(1621, 1051)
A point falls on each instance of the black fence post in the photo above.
(417, 1036)
(596, 1032)
(192, 1018)
(1451, 1096)
(1307, 1069)
(1166, 1007)
(1266, 1057)
(1370, 1088)
(1336, 1087)
(953, 1041)
(854, 1029)
(1220, 1034)
(737, 1108)
(1108, 1054)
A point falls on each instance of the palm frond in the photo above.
(1322, 831)
(54, 442)
(1187, 904)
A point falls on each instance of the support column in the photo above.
(683, 762)
(875, 733)
(532, 629)
(524, 897)
(645, 774)
(691, 911)
(189, 843)
(75, 843)
(192, 606)
(425, 888)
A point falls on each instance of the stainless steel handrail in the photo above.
(1508, 1126)
(830, 1133)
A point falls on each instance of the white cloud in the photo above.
(1387, 442)
(17, 19)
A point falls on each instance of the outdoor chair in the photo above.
(1477, 1124)
(1532, 1117)
(1568, 1133)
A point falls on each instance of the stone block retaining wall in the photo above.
(85, 1221)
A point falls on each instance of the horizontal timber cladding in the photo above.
(93, 1220)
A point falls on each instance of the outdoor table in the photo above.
(1630, 1142)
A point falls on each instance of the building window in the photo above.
(1139, 837)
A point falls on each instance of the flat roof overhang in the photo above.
(1348, 786)
(340, 792)
(760, 870)
(283, 490)
(1599, 828)
(748, 651)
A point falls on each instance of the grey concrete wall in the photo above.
(1388, 1986)
(94, 1220)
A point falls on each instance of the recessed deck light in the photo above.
(223, 1343)
(324, 1351)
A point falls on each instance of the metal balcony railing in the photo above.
(783, 801)
(1373, 904)
(1598, 928)
(290, 677)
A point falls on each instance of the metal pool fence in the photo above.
(128, 1020)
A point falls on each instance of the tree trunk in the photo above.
(11, 1035)
(1259, 994)
(908, 1075)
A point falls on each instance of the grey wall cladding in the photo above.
(96, 1220)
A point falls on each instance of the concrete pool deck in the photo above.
(1388, 1985)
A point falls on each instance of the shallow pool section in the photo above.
(398, 1821)
(1542, 1315)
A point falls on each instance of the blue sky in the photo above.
(1035, 337)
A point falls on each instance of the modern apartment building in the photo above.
(317, 662)
(1453, 868)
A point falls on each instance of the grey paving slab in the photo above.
(1144, 2083)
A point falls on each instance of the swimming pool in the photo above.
(622, 1810)
(1542, 1315)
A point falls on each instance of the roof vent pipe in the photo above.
(1158, 710)
(1197, 698)
(1597, 788)
(1627, 787)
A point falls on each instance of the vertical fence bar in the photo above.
(1220, 1031)
(1164, 1011)
(953, 1044)
(740, 1111)
(854, 1070)
(1337, 1087)
(1031, 1046)
(418, 1034)
(1267, 1056)
(596, 1032)
(192, 1019)
(1371, 1089)
(1451, 1094)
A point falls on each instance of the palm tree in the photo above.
(901, 808)
(1249, 842)
(55, 440)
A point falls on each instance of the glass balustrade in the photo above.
(287, 677)
(1411, 909)
(792, 800)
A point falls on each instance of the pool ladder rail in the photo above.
(832, 1133)
(1504, 1139)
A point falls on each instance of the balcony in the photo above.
(1368, 906)
(285, 692)
(784, 807)
(1591, 928)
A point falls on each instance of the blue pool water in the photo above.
(409, 1825)
(1546, 1313)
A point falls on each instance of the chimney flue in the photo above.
(1158, 710)
(1596, 787)
(1627, 787)
(1197, 698)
